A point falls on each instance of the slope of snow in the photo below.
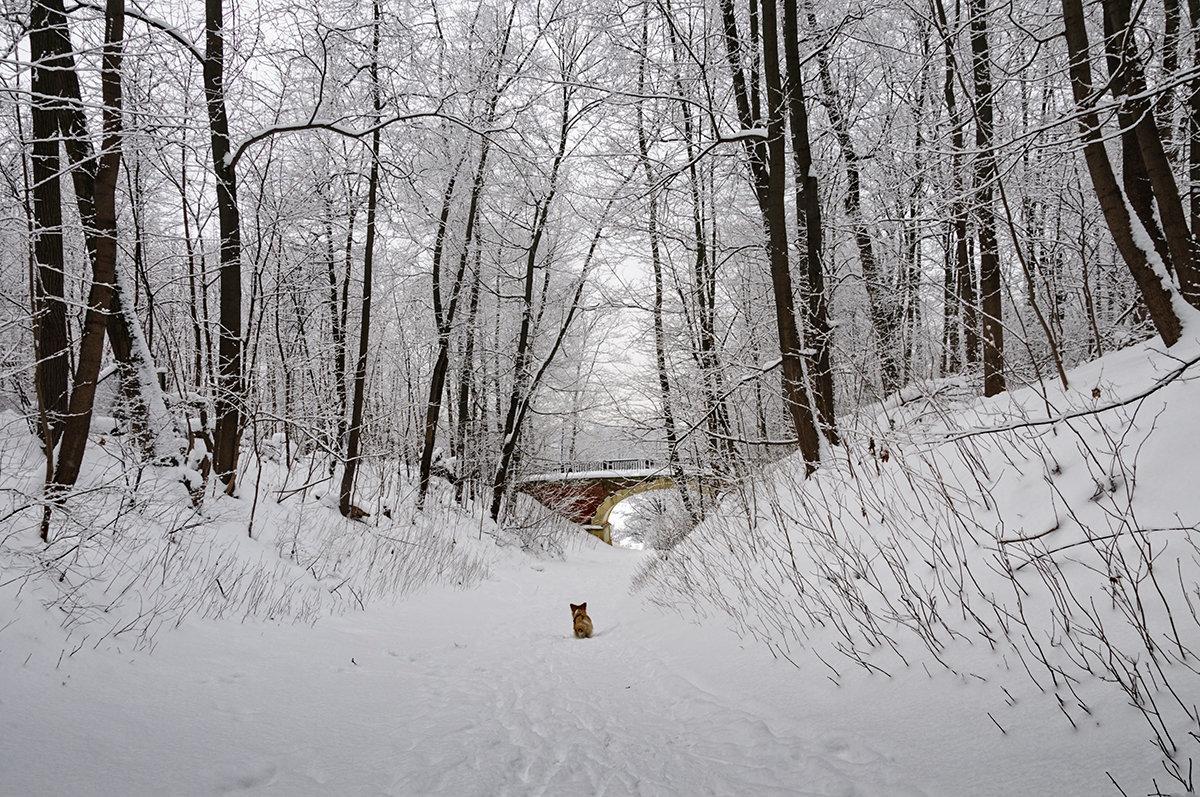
(1040, 546)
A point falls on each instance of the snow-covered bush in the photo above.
(129, 555)
(536, 528)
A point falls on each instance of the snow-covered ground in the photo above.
(486, 692)
(945, 621)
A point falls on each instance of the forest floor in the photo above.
(486, 692)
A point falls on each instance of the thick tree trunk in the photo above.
(1128, 84)
(147, 410)
(50, 52)
(230, 386)
(768, 166)
(790, 346)
(1150, 274)
(809, 243)
(100, 295)
(986, 176)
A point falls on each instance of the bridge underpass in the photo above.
(586, 492)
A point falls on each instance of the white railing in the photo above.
(589, 466)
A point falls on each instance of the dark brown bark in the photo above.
(1128, 83)
(230, 387)
(795, 392)
(51, 56)
(354, 431)
(809, 233)
(100, 294)
(986, 176)
(1154, 286)
(768, 166)
(1134, 178)
(443, 320)
(84, 165)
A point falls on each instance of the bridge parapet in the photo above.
(601, 468)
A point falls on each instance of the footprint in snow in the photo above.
(262, 775)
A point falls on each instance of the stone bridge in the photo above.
(586, 492)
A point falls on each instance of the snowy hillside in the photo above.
(1035, 554)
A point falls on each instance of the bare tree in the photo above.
(768, 165)
(104, 262)
(354, 432)
(986, 176)
(1148, 270)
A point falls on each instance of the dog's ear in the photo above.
(574, 607)
(583, 606)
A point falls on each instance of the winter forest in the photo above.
(899, 300)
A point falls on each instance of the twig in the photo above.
(1159, 385)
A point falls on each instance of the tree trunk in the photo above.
(670, 433)
(885, 310)
(809, 232)
(51, 56)
(443, 321)
(720, 444)
(444, 317)
(1129, 87)
(336, 331)
(1193, 129)
(230, 387)
(768, 166)
(100, 295)
(518, 397)
(961, 304)
(354, 432)
(466, 370)
(790, 346)
(986, 176)
(1150, 274)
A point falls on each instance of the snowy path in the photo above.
(486, 692)
(458, 693)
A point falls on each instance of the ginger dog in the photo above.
(583, 623)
